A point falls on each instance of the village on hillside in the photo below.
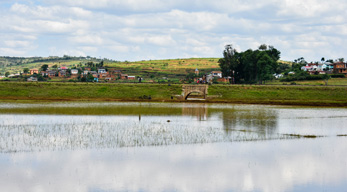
(97, 72)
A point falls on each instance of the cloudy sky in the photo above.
(163, 29)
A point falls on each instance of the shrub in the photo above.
(337, 76)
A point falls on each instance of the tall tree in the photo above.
(26, 70)
(44, 67)
(263, 47)
(250, 66)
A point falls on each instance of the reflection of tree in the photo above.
(199, 111)
(261, 121)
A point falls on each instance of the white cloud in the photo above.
(193, 28)
(17, 43)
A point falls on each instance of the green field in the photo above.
(248, 94)
(281, 94)
(332, 81)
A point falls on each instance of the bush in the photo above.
(301, 77)
(337, 76)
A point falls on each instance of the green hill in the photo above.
(159, 68)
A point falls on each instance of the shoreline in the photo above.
(278, 103)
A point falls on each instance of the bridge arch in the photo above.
(189, 89)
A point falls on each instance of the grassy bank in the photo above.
(274, 94)
(332, 81)
(86, 91)
(281, 94)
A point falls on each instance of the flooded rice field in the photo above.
(107, 146)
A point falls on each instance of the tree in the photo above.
(26, 70)
(266, 67)
(341, 60)
(7, 74)
(330, 61)
(282, 67)
(263, 47)
(44, 67)
(326, 78)
(229, 62)
(250, 66)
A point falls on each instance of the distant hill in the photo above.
(17, 64)
(167, 67)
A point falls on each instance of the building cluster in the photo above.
(209, 77)
(326, 68)
(100, 74)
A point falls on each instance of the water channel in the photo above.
(110, 146)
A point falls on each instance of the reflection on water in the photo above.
(262, 121)
(171, 147)
(139, 124)
(199, 112)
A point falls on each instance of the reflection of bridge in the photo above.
(189, 89)
(200, 111)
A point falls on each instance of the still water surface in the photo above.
(107, 146)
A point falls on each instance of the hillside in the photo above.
(172, 68)
(17, 64)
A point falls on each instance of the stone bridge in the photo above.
(189, 89)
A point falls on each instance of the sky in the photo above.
(136, 30)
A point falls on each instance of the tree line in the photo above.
(251, 66)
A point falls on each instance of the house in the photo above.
(100, 71)
(131, 77)
(62, 73)
(94, 73)
(44, 73)
(87, 68)
(51, 73)
(74, 71)
(209, 78)
(31, 79)
(124, 76)
(278, 76)
(33, 71)
(116, 72)
(306, 68)
(320, 67)
(330, 66)
(108, 78)
(217, 74)
(340, 68)
(63, 68)
(85, 72)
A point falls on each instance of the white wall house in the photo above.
(102, 71)
(217, 74)
(74, 71)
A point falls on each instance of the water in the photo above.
(71, 146)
